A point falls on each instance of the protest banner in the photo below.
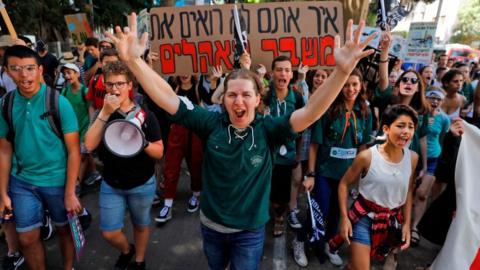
(194, 39)
(79, 27)
(399, 46)
(367, 31)
(420, 42)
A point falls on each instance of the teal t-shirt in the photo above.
(437, 126)
(80, 107)
(237, 165)
(287, 152)
(468, 91)
(40, 157)
(334, 154)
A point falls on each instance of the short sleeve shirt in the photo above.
(437, 125)
(80, 107)
(40, 156)
(96, 93)
(237, 170)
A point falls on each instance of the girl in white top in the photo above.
(386, 179)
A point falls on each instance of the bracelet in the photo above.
(98, 117)
(310, 174)
(383, 61)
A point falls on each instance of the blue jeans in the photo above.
(114, 202)
(243, 250)
(362, 231)
(29, 203)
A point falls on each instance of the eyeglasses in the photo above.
(118, 85)
(104, 47)
(28, 68)
(411, 80)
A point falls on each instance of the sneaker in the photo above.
(293, 220)
(333, 256)
(46, 230)
(124, 259)
(193, 204)
(156, 200)
(85, 219)
(137, 266)
(92, 178)
(13, 262)
(299, 253)
(164, 215)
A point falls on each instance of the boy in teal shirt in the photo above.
(38, 169)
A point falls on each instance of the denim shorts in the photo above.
(29, 203)
(431, 165)
(114, 202)
(362, 231)
(240, 251)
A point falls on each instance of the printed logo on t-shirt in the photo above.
(256, 160)
(343, 153)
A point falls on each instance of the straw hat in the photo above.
(68, 57)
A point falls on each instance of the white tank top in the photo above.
(386, 183)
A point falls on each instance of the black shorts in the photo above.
(281, 184)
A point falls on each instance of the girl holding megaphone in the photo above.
(129, 180)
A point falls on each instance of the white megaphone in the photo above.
(124, 137)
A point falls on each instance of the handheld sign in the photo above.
(77, 234)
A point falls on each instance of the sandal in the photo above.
(414, 238)
(278, 227)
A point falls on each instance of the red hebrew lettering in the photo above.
(222, 54)
(327, 45)
(206, 55)
(177, 49)
(309, 51)
(288, 44)
(188, 48)
(270, 45)
(167, 59)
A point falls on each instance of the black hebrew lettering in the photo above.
(276, 12)
(185, 25)
(163, 27)
(267, 25)
(219, 21)
(330, 19)
(202, 21)
(319, 18)
(293, 18)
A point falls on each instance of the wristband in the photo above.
(383, 61)
(98, 117)
(310, 174)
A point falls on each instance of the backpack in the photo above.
(52, 113)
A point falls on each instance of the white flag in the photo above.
(462, 246)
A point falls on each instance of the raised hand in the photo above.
(302, 69)
(385, 39)
(216, 72)
(129, 47)
(245, 60)
(347, 56)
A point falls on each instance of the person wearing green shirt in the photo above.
(240, 145)
(75, 92)
(38, 169)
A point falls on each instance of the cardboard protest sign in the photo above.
(366, 32)
(399, 46)
(194, 39)
(79, 27)
(420, 42)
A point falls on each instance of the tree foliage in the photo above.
(467, 29)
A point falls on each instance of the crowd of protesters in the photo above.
(252, 140)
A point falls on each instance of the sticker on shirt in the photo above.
(283, 150)
(256, 160)
(187, 103)
(343, 153)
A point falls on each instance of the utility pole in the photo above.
(438, 11)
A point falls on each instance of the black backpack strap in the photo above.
(53, 113)
(298, 100)
(7, 111)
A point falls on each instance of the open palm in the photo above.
(128, 45)
(347, 56)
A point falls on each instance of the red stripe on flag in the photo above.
(476, 262)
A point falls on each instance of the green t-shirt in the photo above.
(237, 167)
(468, 91)
(437, 126)
(40, 157)
(287, 152)
(80, 107)
(334, 155)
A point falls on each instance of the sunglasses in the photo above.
(411, 80)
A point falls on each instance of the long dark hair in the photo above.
(418, 102)
(338, 105)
